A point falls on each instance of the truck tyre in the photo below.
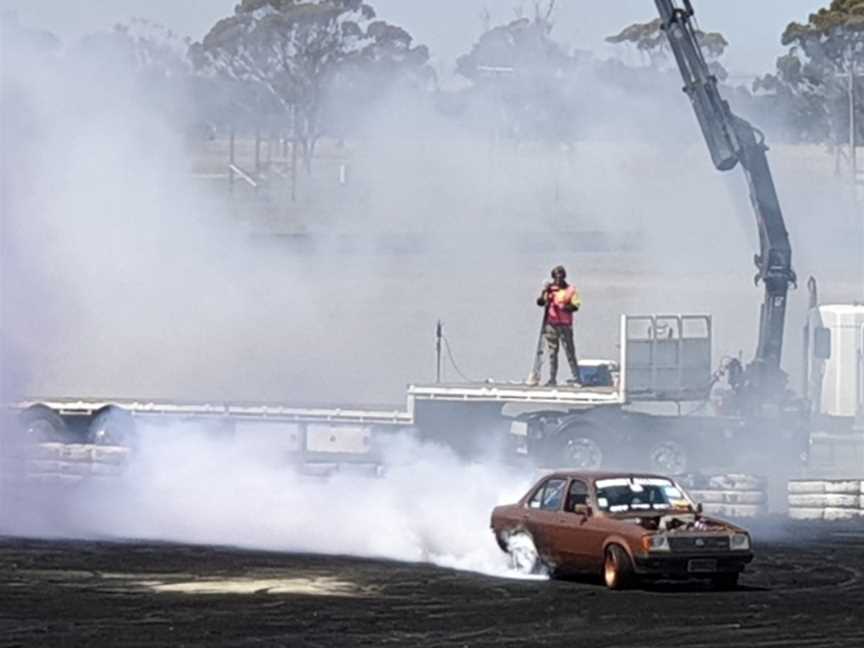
(112, 427)
(41, 424)
(581, 452)
(617, 568)
(668, 458)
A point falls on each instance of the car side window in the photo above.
(536, 498)
(553, 494)
(577, 494)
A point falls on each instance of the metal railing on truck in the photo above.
(667, 357)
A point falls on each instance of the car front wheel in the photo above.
(617, 569)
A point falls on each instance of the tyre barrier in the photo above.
(825, 499)
(62, 463)
(734, 495)
(331, 469)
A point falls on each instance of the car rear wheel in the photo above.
(523, 553)
(725, 581)
(501, 539)
(617, 569)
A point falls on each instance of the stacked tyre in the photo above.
(825, 499)
(61, 464)
(733, 495)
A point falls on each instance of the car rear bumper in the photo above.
(691, 565)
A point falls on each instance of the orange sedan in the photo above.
(624, 526)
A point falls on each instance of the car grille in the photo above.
(699, 543)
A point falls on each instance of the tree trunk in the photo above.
(308, 137)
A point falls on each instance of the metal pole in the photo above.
(269, 160)
(439, 333)
(853, 148)
(231, 161)
(258, 152)
(853, 157)
(293, 153)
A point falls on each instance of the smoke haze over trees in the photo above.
(810, 86)
(317, 67)
(649, 39)
(313, 58)
(541, 147)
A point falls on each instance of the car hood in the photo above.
(676, 521)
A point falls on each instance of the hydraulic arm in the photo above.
(732, 140)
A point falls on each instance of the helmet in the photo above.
(559, 270)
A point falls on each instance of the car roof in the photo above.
(591, 475)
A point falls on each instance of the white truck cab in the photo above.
(834, 360)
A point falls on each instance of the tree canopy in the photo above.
(142, 45)
(648, 38)
(832, 35)
(306, 52)
(808, 84)
(34, 41)
(521, 45)
(524, 76)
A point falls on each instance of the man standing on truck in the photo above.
(560, 300)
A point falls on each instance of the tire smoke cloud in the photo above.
(187, 486)
(123, 277)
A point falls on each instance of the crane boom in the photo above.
(731, 141)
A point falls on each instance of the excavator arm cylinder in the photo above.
(731, 141)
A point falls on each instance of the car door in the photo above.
(596, 530)
(544, 509)
(572, 529)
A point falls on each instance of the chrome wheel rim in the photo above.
(584, 453)
(610, 571)
(669, 457)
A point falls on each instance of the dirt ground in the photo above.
(804, 589)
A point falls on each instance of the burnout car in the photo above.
(624, 526)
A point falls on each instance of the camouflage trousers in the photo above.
(555, 337)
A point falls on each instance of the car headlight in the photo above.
(739, 542)
(655, 543)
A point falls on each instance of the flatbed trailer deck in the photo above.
(486, 392)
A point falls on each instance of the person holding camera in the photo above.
(560, 300)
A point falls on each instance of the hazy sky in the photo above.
(450, 26)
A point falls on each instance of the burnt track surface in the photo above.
(804, 589)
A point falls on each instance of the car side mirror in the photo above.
(582, 509)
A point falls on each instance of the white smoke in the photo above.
(129, 280)
(186, 486)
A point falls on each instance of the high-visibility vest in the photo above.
(557, 299)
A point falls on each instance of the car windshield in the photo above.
(621, 494)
